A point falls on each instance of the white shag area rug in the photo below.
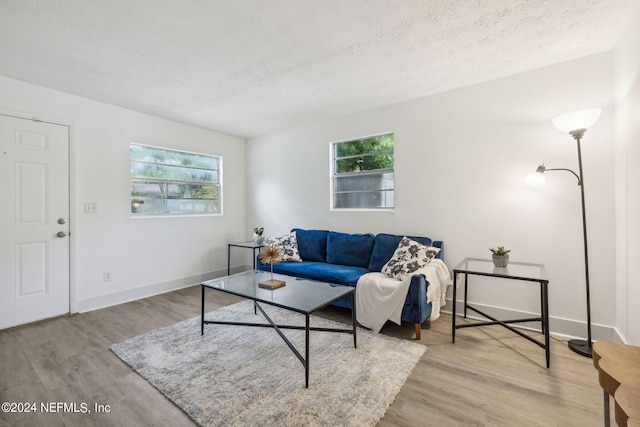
(247, 376)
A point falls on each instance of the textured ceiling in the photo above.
(250, 67)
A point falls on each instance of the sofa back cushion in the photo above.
(384, 247)
(312, 244)
(350, 249)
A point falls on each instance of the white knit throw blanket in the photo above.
(380, 298)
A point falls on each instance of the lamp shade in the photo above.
(582, 119)
(536, 179)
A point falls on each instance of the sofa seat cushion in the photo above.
(350, 249)
(332, 273)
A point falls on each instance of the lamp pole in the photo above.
(584, 348)
(576, 124)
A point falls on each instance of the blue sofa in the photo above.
(342, 258)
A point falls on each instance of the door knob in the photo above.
(61, 221)
(61, 234)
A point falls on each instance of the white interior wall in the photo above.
(627, 127)
(461, 157)
(144, 255)
(467, 149)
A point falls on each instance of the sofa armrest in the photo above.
(416, 309)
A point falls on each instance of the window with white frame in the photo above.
(172, 182)
(362, 173)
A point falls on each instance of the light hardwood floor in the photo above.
(490, 377)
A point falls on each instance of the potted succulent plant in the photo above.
(500, 256)
(258, 235)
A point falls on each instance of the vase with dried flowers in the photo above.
(271, 254)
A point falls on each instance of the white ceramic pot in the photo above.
(500, 260)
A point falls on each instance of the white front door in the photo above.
(34, 221)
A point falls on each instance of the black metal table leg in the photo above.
(466, 280)
(542, 307)
(306, 352)
(254, 258)
(202, 312)
(545, 321)
(453, 308)
(354, 318)
(229, 260)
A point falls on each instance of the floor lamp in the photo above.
(576, 124)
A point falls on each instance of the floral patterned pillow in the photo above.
(409, 257)
(289, 246)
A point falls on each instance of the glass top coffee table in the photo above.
(298, 295)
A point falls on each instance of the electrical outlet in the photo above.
(106, 276)
(90, 207)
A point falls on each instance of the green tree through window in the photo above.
(363, 173)
(167, 181)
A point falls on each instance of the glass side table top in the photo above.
(515, 270)
(249, 244)
(304, 296)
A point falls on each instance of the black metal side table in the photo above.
(248, 245)
(514, 271)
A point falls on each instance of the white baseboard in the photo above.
(120, 297)
(559, 327)
(618, 337)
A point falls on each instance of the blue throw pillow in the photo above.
(349, 249)
(312, 244)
